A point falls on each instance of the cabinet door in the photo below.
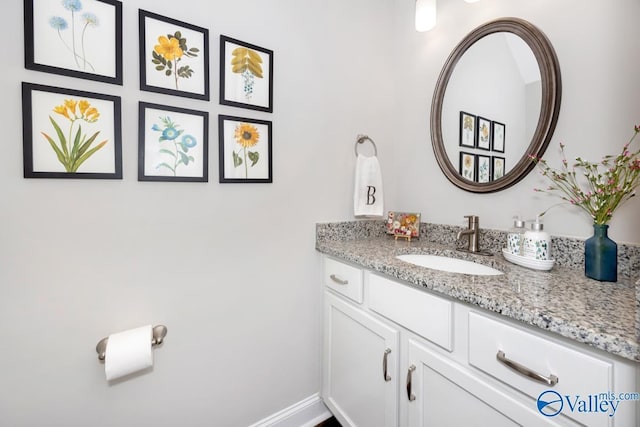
(357, 349)
(445, 393)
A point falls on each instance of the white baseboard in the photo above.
(306, 413)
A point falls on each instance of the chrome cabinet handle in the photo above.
(410, 395)
(385, 375)
(338, 280)
(551, 380)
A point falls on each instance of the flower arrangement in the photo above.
(608, 183)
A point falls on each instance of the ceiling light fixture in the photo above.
(425, 15)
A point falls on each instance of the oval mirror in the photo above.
(496, 101)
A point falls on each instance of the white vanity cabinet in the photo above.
(395, 355)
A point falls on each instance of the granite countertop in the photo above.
(562, 300)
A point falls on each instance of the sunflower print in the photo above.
(247, 136)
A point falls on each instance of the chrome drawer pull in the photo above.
(551, 380)
(410, 395)
(385, 375)
(338, 280)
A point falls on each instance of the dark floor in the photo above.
(331, 422)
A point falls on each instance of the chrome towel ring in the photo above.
(361, 139)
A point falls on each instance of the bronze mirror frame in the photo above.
(551, 94)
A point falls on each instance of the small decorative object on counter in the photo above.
(536, 243)
(515, 236)
(608, 184)
(602, 253)
(405, 225)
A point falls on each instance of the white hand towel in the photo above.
(367, 198)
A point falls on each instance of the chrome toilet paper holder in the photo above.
(158, 331)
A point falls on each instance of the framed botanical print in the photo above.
(173, 144)
(245, 150)
(497, 167)
(69, 133)
(483, 167)
(246, 75)
(467, 130)
(483, 133)
(467, 166)
(174, 56)
(497, 136)
(76, 38)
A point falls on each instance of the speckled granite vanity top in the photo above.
(563, 300)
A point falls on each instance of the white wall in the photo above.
(236, 284)
(595, 42)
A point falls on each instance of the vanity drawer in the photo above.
(577, 373)
(420, 312)
(344, 279)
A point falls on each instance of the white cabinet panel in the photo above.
(577, 373)
(355, 387)
(425, 314)
(344, 279)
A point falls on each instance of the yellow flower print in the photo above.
(169, 48)
(71, 105)
(246, 135)
(86, 111)
(75, 147)
(83, 105)
(169, 55)
(91, 115)
(62, 110)
(467, 162)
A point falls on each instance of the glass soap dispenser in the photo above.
(515, 236)
(536, 242)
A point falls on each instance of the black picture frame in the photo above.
(497, 167)
(96, 115)
(246, 79)
(232, 131)
(483, 134)
(467, 166)
(89, 48)
(467, 131)
(483, 168)
(175, 147)
(166, 75)
(498, 135)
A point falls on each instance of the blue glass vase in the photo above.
(601, 255)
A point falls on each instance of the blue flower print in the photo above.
(188, 141)
(174, 150)
(90, 19)
(58, 23)
(72, 5)
(170, 133)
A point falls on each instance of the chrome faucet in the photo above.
(473, 232)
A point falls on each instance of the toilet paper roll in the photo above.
(128, 352)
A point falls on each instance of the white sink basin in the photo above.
(452, 265)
